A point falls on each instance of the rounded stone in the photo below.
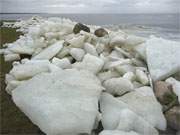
(163, 92)
(100, 32)
(173, 117)
(79, 26)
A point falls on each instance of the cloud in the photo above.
(90, 6)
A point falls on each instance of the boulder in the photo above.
(79, 26)
(163, 92)
(63, 102)
(101, 32)
(175, 85)
(173, 117)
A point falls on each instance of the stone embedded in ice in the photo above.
(143, 102)
(50, 51)
(116, 115)
(162, 57)
(89, 48)
(29, 69)
(62, 63)
(118, 86)
(176, 86)
(90, 63)
(77, 53)
(63, 102)
(117, 132)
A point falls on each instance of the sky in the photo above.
(90, 6)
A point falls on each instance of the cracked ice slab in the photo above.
(50, 105)
(162, 57)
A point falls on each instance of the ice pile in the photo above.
(69, 65)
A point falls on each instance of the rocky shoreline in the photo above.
(69, 77)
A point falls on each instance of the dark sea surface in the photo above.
(161, 25)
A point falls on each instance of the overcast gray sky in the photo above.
(90, 6)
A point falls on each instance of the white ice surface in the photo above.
(63, 102)
(162, 57)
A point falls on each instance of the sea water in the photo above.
(162, 25)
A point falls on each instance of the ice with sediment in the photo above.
(63, 102)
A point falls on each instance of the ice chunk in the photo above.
(90, 63)
(21, 49)
(118, 86)
(107, 75)
(117, 40)
(176, 86)
(50, 51)
(117, 115)
(63, 102)
(89, 48)
(62, 63)
(11, 57)
(29, 69)
(132, 41)
(162, 57)
(152, 110)
(130, 76)
(142, 77)
(12, 85)
(117, 132)
(77, 53)
(77, 41)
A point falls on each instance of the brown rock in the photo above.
(100, 32)
(173, 117)
(79, 26)
(163, 92)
